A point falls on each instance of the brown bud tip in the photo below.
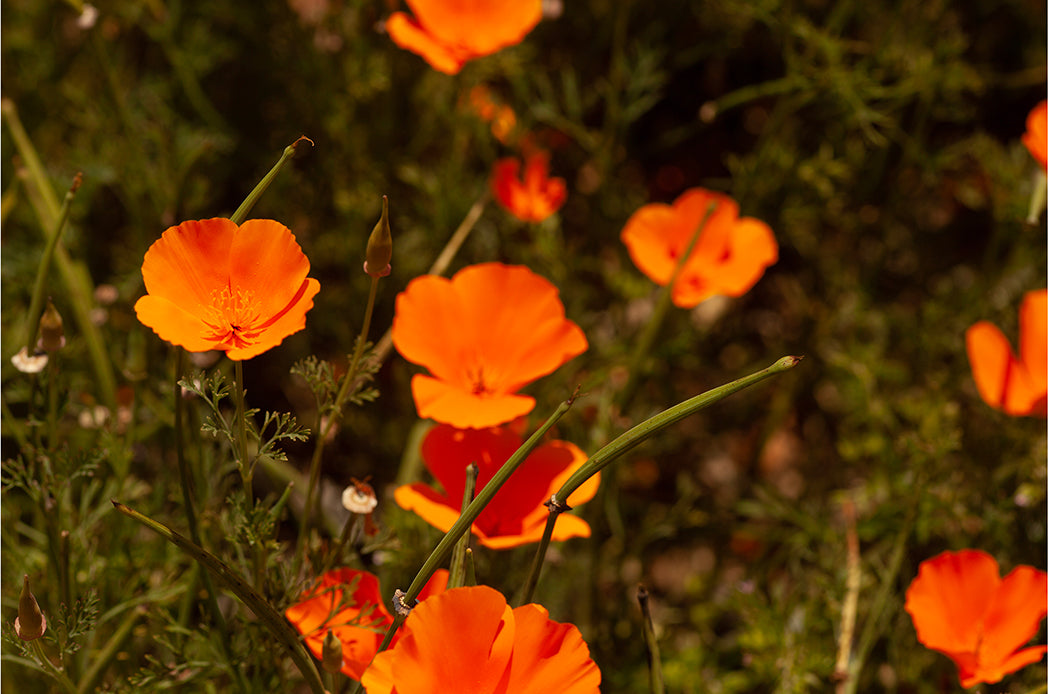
(331, 653)
(30, 623)
(52, 337)
(380, 245)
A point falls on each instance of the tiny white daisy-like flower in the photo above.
(29, 364)
(359, 497)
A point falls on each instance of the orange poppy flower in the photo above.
(214, 285)
(1016, 386)
(484, 334)
(349, 603)
(534, 198)
(447, 33)
(516, 515)
(728, 258)
(469, 641)
(962, 608)
(1036, 136)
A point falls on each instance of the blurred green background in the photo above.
(880, 141)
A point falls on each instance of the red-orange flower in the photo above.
(1017, 386)
(214, 285)
(534, 198)
(728, 258)
(447, 33)
(349, 603)
(961, 608)
(1036, 136)
(502, 118)
(484, 334)
(469, 641)
(516, 515)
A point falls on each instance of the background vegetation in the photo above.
(880, 141)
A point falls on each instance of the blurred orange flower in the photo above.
(729, 257)
(502, 118)
(349, 603)
(447, 33)
(1016, 386)
(961, 608)
(469, 641)
(516, 515)
(214, 285)
(534, 198)
(1036, 136)
(484, 334)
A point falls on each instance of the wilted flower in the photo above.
(495, 650)
(516, 515)
(962, 608)
(214, 285)
(1016, 386)
(729, 257)
(484, 334)
(536, 196)
(447, 33)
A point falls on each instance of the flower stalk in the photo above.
(655, 683)
(245, 207)
(457, 574)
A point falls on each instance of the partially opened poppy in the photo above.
(348, 602)
(729, 257)
(536, 196)
(516, 515)
(469, 641)
(1036, 136)
(1017, 386)
(484, 334)
(212, 285)
(962, 608)
(447, 33)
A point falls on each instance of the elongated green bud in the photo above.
(30, 623)
(380, 245)
(331, 659)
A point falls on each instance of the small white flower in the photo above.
(359, 498)
(29, 364)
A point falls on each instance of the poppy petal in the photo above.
(189, 261)
(173, 324)
(288, 321)
(1000, 378)
(947, 599)
(407, 33)
(267, 262)
(480, 26)
(550, 656)
(445, 403)
(1033, 344)
(1014, 614)
(427, 504)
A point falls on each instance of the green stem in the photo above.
(267, 615)
(241, 428)
(36, 304)
(52, 401)
(457, 575)
(103, 658)
(245, 207)
(634, 437)
(194, 531)
(59, 675)
(651, 330)
(655, 684)
(440, 553)
(77, 281)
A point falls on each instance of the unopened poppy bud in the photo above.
(52, 337)
(331, 656)
(380, 245)
(30, 623)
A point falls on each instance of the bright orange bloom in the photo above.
(447, 33)
(1016, 386)
(484, 334)
(534, 198)
(349, 603)
(1036, 136)
(516, 515)
(728, 258)
(214, 285)
(961, 608)
(469, 641)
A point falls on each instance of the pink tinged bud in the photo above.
(52, 337)
(380, 245)
(30, 623)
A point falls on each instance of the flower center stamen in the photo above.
(232, 318)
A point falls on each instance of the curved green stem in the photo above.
(58, 674)
(245, 207)
(267, 615)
